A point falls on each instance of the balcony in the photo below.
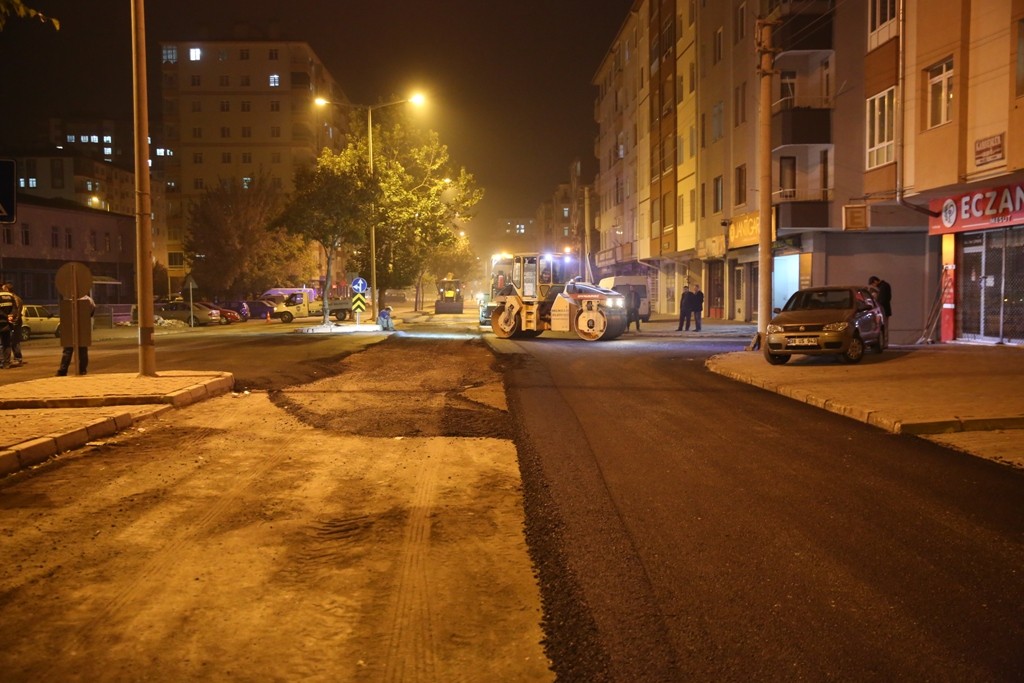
(798, 124)
(802, 208)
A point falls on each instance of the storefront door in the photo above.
(990, 286)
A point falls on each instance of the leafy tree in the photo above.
(233, 248)
(419, 200)
(18, 8)
(330, 206)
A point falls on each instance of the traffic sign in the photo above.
(190, 282)
(359, 303)
(73, 280)
(8, 191)
(359, 285)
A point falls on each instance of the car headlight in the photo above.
(836, 327)
(774, 329)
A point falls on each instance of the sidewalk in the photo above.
(47, 416)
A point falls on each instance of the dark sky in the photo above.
(509, 82)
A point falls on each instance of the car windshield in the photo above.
(814, 299)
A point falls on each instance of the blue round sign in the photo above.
(359, 285)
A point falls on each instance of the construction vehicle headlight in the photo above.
(618, 302)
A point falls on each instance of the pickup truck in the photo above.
(303, 304)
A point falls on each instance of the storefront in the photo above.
(983, 259)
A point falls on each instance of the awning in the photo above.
(104, 280)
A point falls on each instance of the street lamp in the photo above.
(417, 100)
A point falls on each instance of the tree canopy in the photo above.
(233, 246)
(19, 9)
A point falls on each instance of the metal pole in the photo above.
(764, 161)
(143, 208)
(373, 219)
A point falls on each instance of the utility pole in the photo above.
(764, 165)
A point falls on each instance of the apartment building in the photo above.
(72, 175)
(679, 89)
(233, 109)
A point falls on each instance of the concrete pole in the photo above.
(143, 198)
(764, 163)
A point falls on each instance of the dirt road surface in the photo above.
(367, 526)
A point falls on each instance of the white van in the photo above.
(625, 284)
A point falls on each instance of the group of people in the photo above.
(691, 306)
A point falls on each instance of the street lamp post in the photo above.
(417, 100)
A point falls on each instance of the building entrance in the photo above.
(990, 286)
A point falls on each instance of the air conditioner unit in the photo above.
(856, 217)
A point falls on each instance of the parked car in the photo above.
(227, 316)
(260, 308)
(38, 320)
(196, 314)
(841, 321)
(239, 307)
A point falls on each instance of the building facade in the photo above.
(234, 109)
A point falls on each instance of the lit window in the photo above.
(108, 150)
(940, 94)
(246, 183)
(195, 54)
(95, 139)
(71, 138)
(170, 54)
(107, 139)
(275, 81)
(881, 128)
(33, 182)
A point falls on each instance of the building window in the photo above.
(274, 81)
(55, 237)
(717, 121)
(716, 55)
(881, 22)
(717, 199)
(693, 205)
(197, 106)
(92, 240)
(244, 81)
(197, 157)
(275, 105)
(246, 183)
(703, 200)
(225, 157)
(196, 81)
(246, 105)
(170, 54)
(741, 185)
(243, 54)
(176, 259)
(1020, 58)
(272, 54)
(246, 131)
(692, 12)
(739, 105)
(197, 133)
(881, 128)
(26, 235)
(225, 81)
(8, 234)
(225, 131)
(703, 131)
(69, 243)
(225, 105)
(195, 54)
(275, 131)
(940, 94)
(106, 242)
(275, 157)
(222, 55)
(741, 21)
(198, 184)
(246, 157)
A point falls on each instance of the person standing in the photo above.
(9, 310)
(696, 307)
(633, 308)
(16, 331)
(883, 292)
(84, 336)
(684, 308)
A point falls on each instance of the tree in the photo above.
(20, 9)
(330, 206)
(232, 246)
(419, 200)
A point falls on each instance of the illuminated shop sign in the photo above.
(989, 208)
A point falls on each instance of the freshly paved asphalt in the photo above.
(967, 397)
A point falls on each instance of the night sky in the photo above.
(509, 83)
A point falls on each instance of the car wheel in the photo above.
(56, 332)
(341, 315)
(287, 317)
(775, 358)
(25, 333)
(854, 352)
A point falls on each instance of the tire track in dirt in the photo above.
(411, 648)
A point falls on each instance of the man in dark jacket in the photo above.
(696, 308)
(883, 292)
(684, 308)
(9, 311)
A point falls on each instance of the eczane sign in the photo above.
(979, 210)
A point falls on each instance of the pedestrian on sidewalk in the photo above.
(9, 309)
(883, 292)
(696, 307)
(84, 336)
(684, 308)
(16, 331)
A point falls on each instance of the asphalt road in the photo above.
(687, 527)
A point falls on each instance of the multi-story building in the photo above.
(519, 234)
(679, 91)
(233, 109)
(76, 177)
